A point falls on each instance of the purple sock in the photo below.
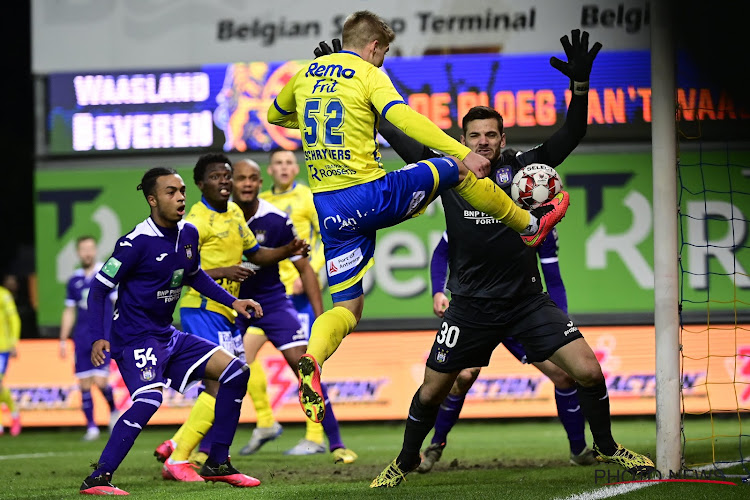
(87, 405)
(330, 424)
(228, 406)
(107, 393)
(447, 417)
(571, 417)
(205, 446)
(126, 430)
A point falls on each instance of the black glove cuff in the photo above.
(579, 88)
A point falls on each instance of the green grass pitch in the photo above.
(516, 459)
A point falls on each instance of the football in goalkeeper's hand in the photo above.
(534, 185)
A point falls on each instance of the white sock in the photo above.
(533, 226)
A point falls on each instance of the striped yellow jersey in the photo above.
(10, 322)
(222, 237)
(334, 101)
(297, 202)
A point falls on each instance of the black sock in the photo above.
(595, 405)
(419, 423)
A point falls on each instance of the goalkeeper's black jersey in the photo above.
(487, 259)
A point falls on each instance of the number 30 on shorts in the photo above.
(448, 335)
(143, 356)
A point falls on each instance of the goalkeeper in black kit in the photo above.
(495, 285)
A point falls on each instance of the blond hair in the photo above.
(362, 27)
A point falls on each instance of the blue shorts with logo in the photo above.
(83, 365)
(279, 323)
(350, 217)
(215, 328)
(178, 363)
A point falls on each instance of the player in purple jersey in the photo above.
(566, 394)
(280, 323)
(151, 264)
(75, 319)
(224, 239)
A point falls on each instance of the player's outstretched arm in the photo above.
(204, 284)
(410, 150)
(265, 256)
(578, 66)
(231, 273)
(580, 60)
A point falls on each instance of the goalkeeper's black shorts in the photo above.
(472, 328)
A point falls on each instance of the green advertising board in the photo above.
(606, 239)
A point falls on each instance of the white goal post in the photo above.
(665, 213)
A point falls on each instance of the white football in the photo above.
(534, 185)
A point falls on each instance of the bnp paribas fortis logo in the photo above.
(249, 89)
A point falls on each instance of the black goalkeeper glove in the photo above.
(580, 60)
(323, 49)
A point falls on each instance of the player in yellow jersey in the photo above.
(333, 100)
(10, 332)
(296, 200)
(223, 239)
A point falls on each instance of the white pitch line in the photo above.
(39, 455)
(609, 491)
(621, 489)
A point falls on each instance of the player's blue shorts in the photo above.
(279, 323)
(4, 357)
(83, 365)
(305, 312)
(179, 363)
(213, 327)
(349, 218)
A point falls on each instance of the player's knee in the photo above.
(465, 380)
(153, 399)
(559, 378)
(589, 374)
(236, 374)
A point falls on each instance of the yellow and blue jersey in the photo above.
(334, 101)
(297, 202)
(10, 322)
(223, 236)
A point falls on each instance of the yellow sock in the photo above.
(485, 195)
(178, 435)
(7, 398)
(313, 431)
(197, 425)
(257, 388)
(328, 331)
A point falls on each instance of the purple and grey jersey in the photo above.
(151, 264)
(76, 295)
(272, 228)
